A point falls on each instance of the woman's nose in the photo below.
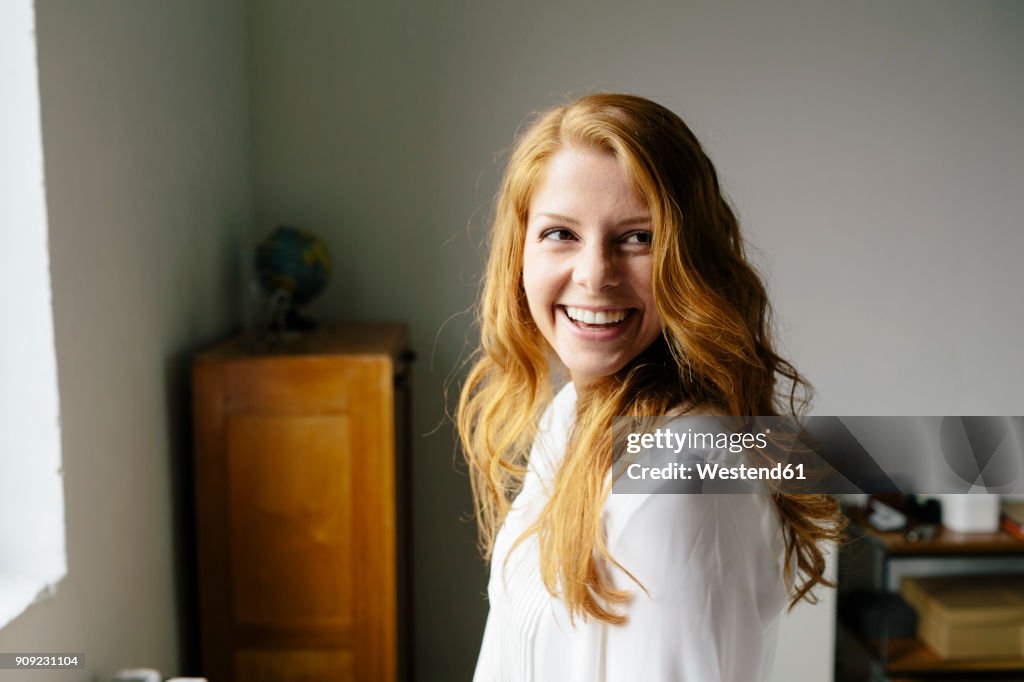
(595, 267)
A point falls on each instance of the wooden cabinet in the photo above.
(301, 491)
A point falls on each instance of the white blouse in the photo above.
(711, 563)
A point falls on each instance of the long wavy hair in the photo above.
(715, 350)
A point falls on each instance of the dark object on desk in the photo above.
(922, 533)
(929, 511)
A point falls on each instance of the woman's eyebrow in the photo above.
(635, 220)
(562, 218)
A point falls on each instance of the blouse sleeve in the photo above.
(712, 569)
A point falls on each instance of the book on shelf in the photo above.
(1012, 519)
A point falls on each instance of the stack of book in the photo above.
(1012, 519)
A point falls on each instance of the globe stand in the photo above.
(296, 321)
(282, 320)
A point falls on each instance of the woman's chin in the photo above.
(586, 373)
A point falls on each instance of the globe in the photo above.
(295, 260)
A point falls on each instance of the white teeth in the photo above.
(590, 317)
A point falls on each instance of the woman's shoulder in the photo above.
(709, 535)
(668, 511)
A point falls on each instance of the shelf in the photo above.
(945, 543)
(909, 656)
(906, 658)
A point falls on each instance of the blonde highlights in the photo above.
(715, 349)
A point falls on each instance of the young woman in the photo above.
(615, 259)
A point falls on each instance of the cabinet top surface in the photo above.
(381, 338)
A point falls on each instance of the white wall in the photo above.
(874, 151)
(145, 135)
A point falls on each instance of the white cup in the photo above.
(973, 513)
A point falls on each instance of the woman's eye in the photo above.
(559, 234)
(639, 238)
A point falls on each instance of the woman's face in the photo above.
(587, 264)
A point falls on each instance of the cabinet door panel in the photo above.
(290, 506)
(289, 385)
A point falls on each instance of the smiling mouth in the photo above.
(588, 319)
